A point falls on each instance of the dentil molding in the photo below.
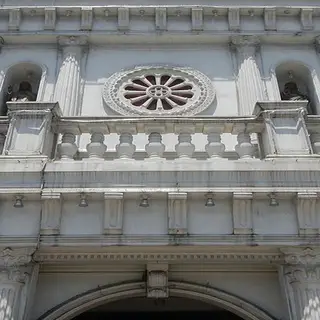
(167, 256)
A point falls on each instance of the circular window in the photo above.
(158, 91)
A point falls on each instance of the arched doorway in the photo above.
(93, 299)
(145, 309)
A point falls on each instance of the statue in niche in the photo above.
(23, 94)
(292, 93)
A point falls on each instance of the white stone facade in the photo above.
(159, 158)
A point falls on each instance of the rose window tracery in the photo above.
(158, 91)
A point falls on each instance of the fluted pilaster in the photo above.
(68, 85)
(249, 83)
(301, 280)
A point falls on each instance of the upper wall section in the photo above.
(209, 22)
(158, 2)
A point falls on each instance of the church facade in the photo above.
(160, 159)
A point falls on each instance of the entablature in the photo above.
(134, 20)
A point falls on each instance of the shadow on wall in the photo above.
(22, 82)
(296, 83)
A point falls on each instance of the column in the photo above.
(68, 86)
(18, 279)
(249, 83)
(300, 277)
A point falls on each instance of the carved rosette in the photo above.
(158, 90)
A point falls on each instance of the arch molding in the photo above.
(93, 298)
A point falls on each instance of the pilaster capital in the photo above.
(13, 275)
(301, 256)
(72, 41)
(11, 257)
(245, 42)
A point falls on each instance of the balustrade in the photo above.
(284, 130)
(186, 131)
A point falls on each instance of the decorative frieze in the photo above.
(113, 213)
(51, 209)
(123, 18)
(50, 17)
(242, 213)
(177, 213)
(308, 217)
(197, 19)
(157, 281)
(144, 256)
(86, 18)
(14, 19)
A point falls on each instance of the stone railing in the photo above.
(283, 130)
(154, 128)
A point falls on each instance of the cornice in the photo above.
(118, 18)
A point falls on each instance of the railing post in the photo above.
(125, 148)
(285, 133)
(155, 148)
(30, 131)
(184, 148)
(214, 148)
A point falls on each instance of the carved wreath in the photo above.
(160, 91)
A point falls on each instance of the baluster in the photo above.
(96, 148)
(214, 148)
(2, 140)
(67, 148)
(125, 149)
(315, 140)
(184, 148)
(244, 148)
(155, 148)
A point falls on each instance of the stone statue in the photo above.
(23, 94)
(292, 93)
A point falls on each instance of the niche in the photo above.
(21, 83)
(295, 83)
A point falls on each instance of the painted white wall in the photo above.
(259, 288)
(201, 220)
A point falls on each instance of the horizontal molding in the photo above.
(157, 19)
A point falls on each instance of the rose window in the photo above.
(158, 91)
